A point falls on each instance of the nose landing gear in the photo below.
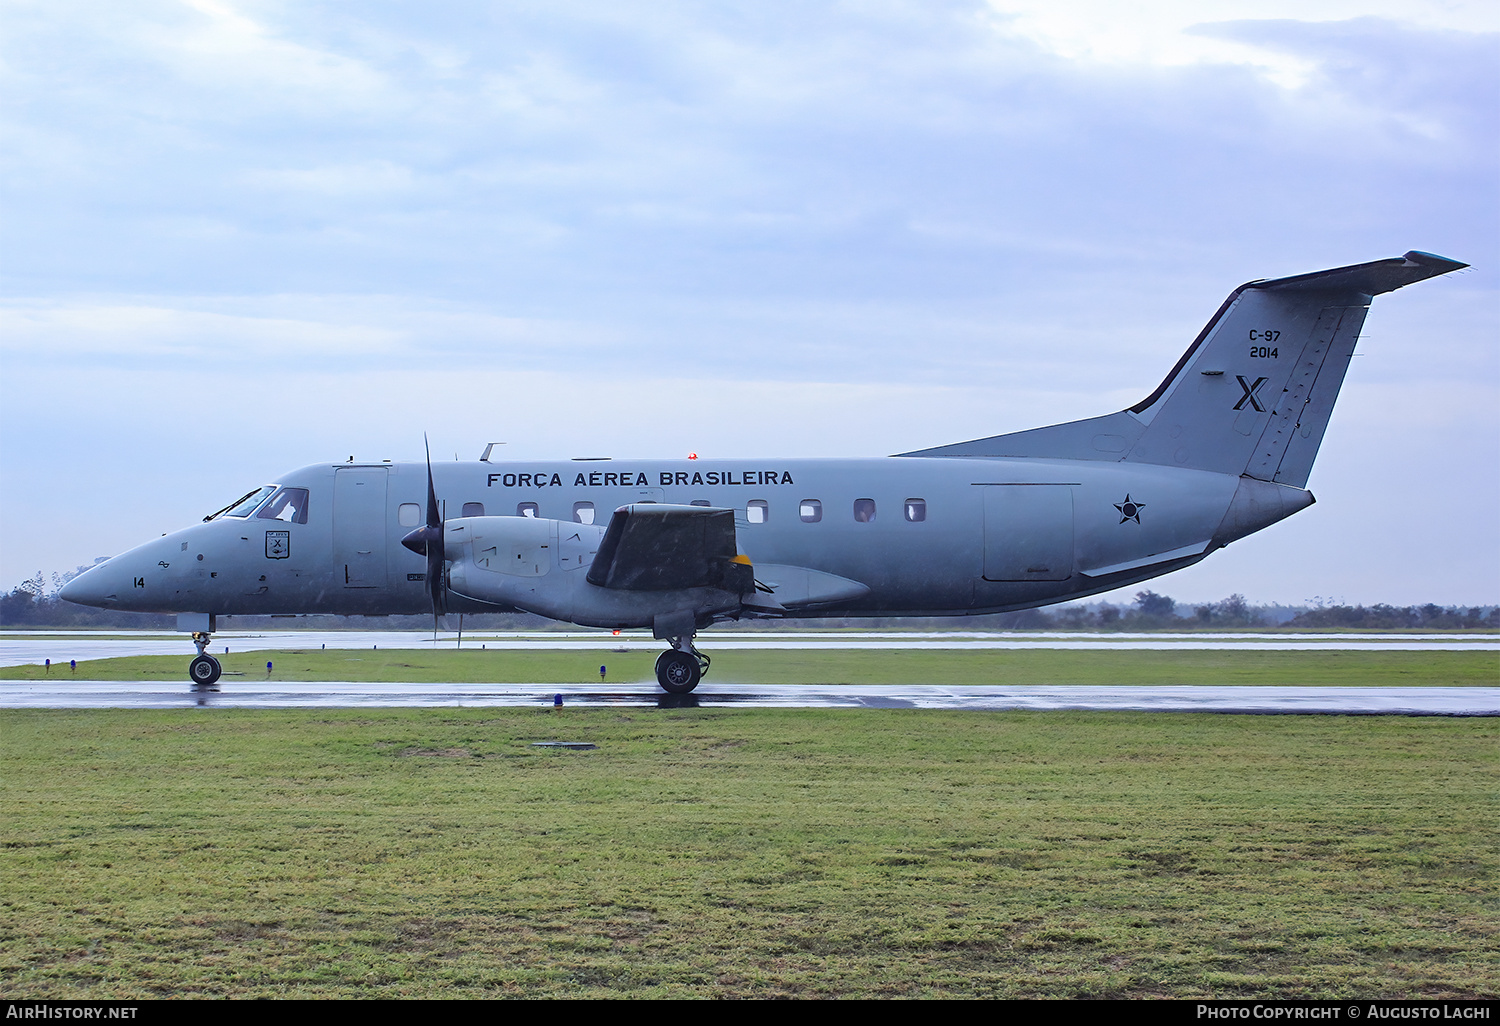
(680, 667)
(204, 670)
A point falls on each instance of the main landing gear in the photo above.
(681, 667)
(204, 670)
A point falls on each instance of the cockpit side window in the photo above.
(244, 505)
(288, 504)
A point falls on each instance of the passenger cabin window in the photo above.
(757, 511)
(409, 514)
(811, 511)
(288, 505)
(583, 512)
(700, 502)
(528, 509)
(473, 509)
(916, 510)
(864, 511)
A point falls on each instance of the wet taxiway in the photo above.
(21, 647)
(1268, 699)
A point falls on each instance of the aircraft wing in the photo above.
(658, 547)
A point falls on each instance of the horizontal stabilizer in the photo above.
(1371, 279)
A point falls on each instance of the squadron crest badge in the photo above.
(278, 544)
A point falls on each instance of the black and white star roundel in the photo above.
(1130, 509)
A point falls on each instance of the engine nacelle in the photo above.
(541, 566)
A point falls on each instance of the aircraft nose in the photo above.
(94, 587)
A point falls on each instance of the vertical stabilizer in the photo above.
(1254, 392)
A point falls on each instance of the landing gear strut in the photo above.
(204, 670)
(680, 667)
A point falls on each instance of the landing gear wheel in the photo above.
(204, 671)
(677, 672)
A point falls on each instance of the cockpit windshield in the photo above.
(289, 504)
(245, 504)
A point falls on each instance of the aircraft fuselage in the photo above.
(924, 536)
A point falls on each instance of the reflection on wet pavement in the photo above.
(32, 647)
(1409, 701)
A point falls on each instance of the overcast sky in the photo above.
(241, 237)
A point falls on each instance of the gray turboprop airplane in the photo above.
(1221, 449)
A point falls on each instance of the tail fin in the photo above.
(1253, 393)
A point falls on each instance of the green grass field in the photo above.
(746, 853)
(836, 666)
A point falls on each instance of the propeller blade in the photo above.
(434, 543)
(435, 561)
(433, 519)
(427, 540)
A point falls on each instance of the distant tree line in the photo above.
(1153, 612)
(33, 604)
(1381, 616)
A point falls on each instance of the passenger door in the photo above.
(359, 527)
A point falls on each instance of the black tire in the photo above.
(677, 672)
(204, 670)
